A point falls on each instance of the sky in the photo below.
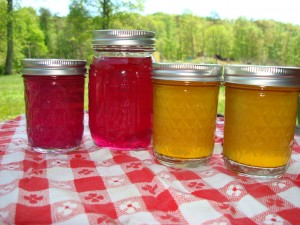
(285, 11)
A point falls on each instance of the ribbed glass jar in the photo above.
(185, 99)
(120, 88)
(54, 97)
(260, 118)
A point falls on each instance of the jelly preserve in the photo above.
(54, 96)
(185, 99)
(260, 110)
(120, 89)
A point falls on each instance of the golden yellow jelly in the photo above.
(184, 118)
(259, 124)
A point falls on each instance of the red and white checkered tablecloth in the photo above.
(100, 186)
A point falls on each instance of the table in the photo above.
(101, 186)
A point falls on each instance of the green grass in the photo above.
(221, 102)
(12, 97)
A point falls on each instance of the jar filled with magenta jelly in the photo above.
(260, 117)
(54, 97)
(185, 100)
(120, 88)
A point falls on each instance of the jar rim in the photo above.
(123, 38)
(187, 72)
(262, 75)
(53, 67)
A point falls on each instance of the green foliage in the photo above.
(105, 11)
(3, 21)
(77, 32)
(3, 42)
(28, 37)
(248, 41)
(191, 30)
(219, 40)
(48, 25)
(127, 20)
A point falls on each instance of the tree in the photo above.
(52, 26)
(3, 35)
(127, 20)
(296, 50)
(106, 13)
(219, 41)
(59, 26)
(78, 32)
(45, 24)
(106, 9)
(29, 39)
(190, 35)
(248, 41)
(269, 29)
(165, 29)
(178, 37)
(10, 47)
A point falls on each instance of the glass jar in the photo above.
(54, 97)
(260, 118)
(185, 99)
(120, 88)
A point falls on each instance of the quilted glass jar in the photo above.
(120, 88)
(260, 118)
(185, 99)
(54, 97)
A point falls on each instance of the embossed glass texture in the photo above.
(259, 127)
(120, 88)
(184, 121)
(54, 112)
(184, 112)
(260, 120)
(120, 101)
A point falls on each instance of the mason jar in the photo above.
(260, 117)
(54, 100)
(120, 88)
(185, 100)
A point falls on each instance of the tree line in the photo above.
(185, 37)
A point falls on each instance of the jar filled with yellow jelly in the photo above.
(260, 117)
(185, 99)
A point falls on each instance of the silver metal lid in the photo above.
(273, 76)
(53, 67)
(123, 38)
(187, 72)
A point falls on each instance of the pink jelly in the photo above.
(120, 89)
(120, 102)
(54, 106)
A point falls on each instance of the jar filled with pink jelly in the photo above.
(120, 88)
(54, 97)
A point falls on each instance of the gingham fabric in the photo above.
(101, 186)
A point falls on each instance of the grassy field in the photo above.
(221, 102)
(12, 97)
